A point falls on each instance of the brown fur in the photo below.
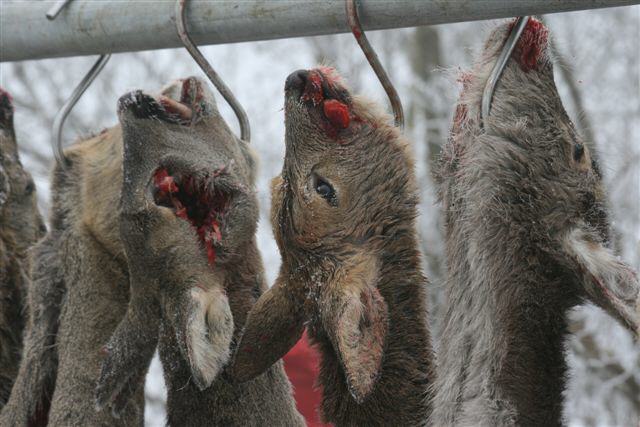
(20, 226)
(80, 292)
(527, 240)
(351, 265)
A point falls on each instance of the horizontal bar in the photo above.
(86, 27)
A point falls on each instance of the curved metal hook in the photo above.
(60, 118)
(501, 62)
(56, 9)
(245, 130)
(70, 103)
(372, 57)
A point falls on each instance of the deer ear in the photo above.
(203, 323)
(273, 326)
(608, 282)
(355, 318)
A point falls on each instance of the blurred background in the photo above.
(597, 57)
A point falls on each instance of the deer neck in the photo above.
(502, 347)
(400, 396)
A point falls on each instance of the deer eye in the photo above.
(29, 188)
(325, 190)
(578, 152)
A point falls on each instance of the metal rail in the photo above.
(86, 27)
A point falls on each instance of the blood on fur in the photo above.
(531, 45)
(337, 113)
(192, 200)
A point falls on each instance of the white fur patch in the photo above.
(210, 331)
(607, 275)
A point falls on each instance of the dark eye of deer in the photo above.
(325, 190)
(29, 188)
(578, 152)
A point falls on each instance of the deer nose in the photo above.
(296, 80)
(6, 109)
(142, 106)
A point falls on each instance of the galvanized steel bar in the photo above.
(89, 27)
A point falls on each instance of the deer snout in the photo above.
(296, 80)
(139, 105)
(6, 109)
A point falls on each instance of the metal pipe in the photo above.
(94, 27)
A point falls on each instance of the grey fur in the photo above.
(32, 392)
(198, 308)
(526, 240)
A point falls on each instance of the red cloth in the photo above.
(302, 365)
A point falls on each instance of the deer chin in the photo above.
(196, 200)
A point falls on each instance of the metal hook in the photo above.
(372, 57)
(60, 118)
(245, 130)
(56, 9)
(501, 62)
(70, 103)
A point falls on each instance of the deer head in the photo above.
(346, 188)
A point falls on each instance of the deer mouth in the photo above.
(163, 108)
(197, 200)
(181, 106)
(321, 90)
